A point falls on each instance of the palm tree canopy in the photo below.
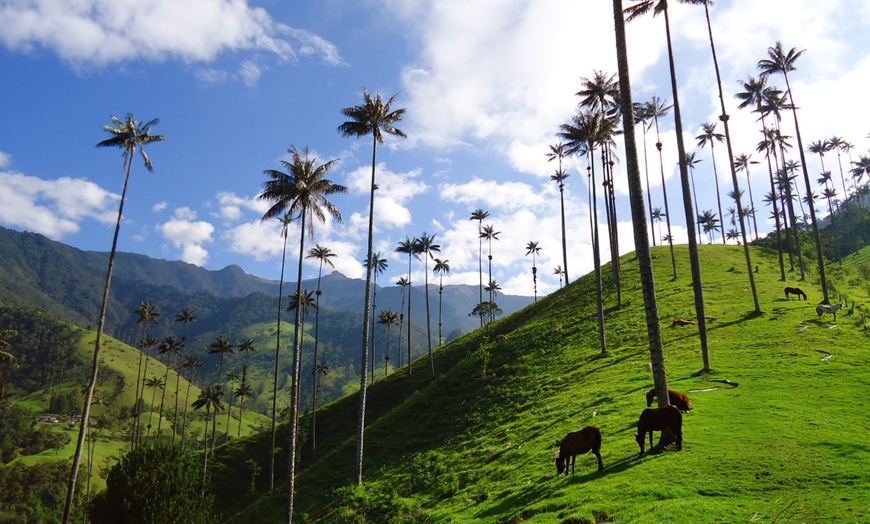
(379, 265)
(441, 266)
(410, 247)
(221, 345)
(302, 189)
(642, 7)
(428, 245)
(147, 313)
(130, 134)
(388, 317)
(559, 176)
(532, 248)
(489, 232)
(321, 253)
(709, 135)
(600, 93)
(779, 60)
(479, 214)
(209, 398)
(372, 117)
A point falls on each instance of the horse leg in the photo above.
(679, 437)
(598, 456)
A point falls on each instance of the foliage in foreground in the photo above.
(154, 483)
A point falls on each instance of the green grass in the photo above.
(476, 444)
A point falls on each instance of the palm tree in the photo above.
(154, 382)
(492, 288)
(558, 152)
(861, 169)
(840, 145)
(742, 163)
(410, 247)
(147, 313)
(130, 135)
(210, 399)
(149, 342)
(640, 8)
(221, 346)
(558, 271)
(782, 62)
(735, 189)
(170, 346)
(638, 215)
(186, 317)
(231, 377)
(402, 283)
(710, 136)
(388, 318)
(241, 393)
(243, 348)
(643, 116)
(285, 220)
(691, 162)
(441, 267)
(490, 234)
(480, 215)
(658, 109)
(710, 223)
(375, 117)
(657, 216)
(6, 358)
(323, 255)
(533, 249)
(190, 362)
(301, 191)
(379, 266)
(427, 247)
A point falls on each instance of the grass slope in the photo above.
(476, 444)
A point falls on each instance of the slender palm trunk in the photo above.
(687, 204)
(428, 315)
(821, 259)
(564, 241)
(314, 367)
(373, 317)
(440, 302)
(479, 272)
(297, 374)
(773, 199)
(665, 197)
(648, 197)
(138, 373)
(409, 311)
(275, 379)
(718, 194)
(205, 450)
(596, 259)
(638, 216)
(186, 405)
(151, 412)
(178, 384)
(163, 397)
(366, 324)
(752, 203)
(724, 118)
(610, 193)
(95, 366)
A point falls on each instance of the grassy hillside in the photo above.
(477, 444)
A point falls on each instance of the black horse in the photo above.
(578, 443)
(667, 417)
(795, 291)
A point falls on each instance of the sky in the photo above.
(485, 85)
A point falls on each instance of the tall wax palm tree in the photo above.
(427, 247)
(533, 249)
(169, 347)
(781, 61)
(735, 186)
(643, 117)
(210, 399)
(839, 144)
(231, 377)
(155, 383)
(492, 288)
(784, 181)
(243, 348)
(147, 312)
(558, 152)
(410, 247)
(642, 7)
(710, 223)
(302, 191)
(375, 117)
(388, 318)
(285, 220)
(658, 109)
(860, 168)
(185, 317)
(582, 136)
(490, 234)
(742, 163)
(691, 162)
(638, 215)
(755, 92)
(131, 136)
(480, 215)
(323, 255)
(710, 136)
(190, 362)
(403, 285)
(558, 271)
(441, 267)
(379, 266)
(149, 342)
(221, 346)
(657, 216)
(241, 393)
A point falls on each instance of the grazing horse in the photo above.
(668, 417)
(578, 443)
(795, 291)
(821, 309)
(682, 402)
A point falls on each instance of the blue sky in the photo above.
(485, 83)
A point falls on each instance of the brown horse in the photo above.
(795, 291)
(659, 419)
(682, 402)
(578, 443)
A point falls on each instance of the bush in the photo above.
(154, 483)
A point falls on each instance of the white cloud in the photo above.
(104, 32)
(54, 208)
(209, 76)
(395, 190)
(5, 159)
(159, 206)
(188, 235)
(250, 72)
(185, 213)
(231, 207)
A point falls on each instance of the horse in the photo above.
(821, 309)
(659, 419)
(795, 291)
(578, 443)
(682, 402)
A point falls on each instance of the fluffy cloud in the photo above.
(395, 190)
(5, 159)
(54, 208)
(189, 235)
(106, 31)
